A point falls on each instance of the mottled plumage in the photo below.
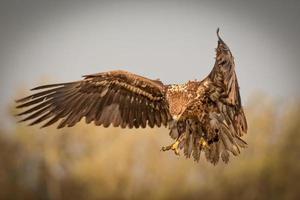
(203, 116)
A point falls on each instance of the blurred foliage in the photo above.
(89, 162)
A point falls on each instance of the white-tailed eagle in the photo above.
(203, 116)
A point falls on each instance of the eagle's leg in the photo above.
(177, 128)
(174, 147)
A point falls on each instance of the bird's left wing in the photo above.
(228, 121)
(116, 97)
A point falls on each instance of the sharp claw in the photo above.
(173, 147)
(166, 148)
(203, 143)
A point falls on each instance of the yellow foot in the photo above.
(203, 143)
(173, 147)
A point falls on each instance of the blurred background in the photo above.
(58, 41)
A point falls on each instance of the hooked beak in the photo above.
(176, 117)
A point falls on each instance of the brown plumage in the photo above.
(203, 116)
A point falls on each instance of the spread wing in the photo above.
(229, 118)
(116, 97)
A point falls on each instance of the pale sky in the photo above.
(171, 40)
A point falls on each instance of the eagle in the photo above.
(203, 116)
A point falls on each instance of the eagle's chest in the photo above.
(179, 96)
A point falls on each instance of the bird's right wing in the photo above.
(116, 97)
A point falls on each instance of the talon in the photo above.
(203, 143)
(173, 147)
(166, 148)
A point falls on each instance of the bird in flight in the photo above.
(202, 116)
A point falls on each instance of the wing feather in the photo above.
(116, 97)
(229, 118)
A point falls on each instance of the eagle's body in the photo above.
(202, 115)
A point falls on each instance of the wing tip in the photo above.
(218, 29)
(218, 34)
(52, 85)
